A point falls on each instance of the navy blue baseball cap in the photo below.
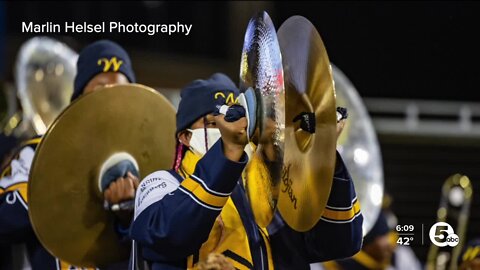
(101, 56)
(200, 97)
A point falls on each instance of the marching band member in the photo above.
(7, 142)
(200, 207)
(16, 235)
(105, 63)
(379, 251)
(470, 257)
(99, 64)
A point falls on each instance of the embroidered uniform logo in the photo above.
(108, 63)
(230, 98)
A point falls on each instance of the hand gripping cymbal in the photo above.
(65, 202)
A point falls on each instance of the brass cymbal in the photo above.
(261, 70)
(309, 159)
(66, 205)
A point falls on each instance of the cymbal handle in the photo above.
(307, 121)
(126, 205)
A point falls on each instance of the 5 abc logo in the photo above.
(442, 235)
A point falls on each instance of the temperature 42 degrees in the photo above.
(405, 240)
(405, 235)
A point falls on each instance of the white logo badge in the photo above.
(442, 235)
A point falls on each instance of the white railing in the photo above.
(425, 117)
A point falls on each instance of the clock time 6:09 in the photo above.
(404, 228)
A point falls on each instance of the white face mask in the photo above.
(197, 141)
(249, 150)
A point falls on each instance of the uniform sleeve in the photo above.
(173, 220)
(338, 233)
(341, 222)
(14, 221)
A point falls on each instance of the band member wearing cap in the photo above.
(105, 63)
(200, 207)
(379, 251)
(101, 63)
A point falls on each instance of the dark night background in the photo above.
(405, 50)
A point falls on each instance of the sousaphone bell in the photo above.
(360, 150)
(44, 73)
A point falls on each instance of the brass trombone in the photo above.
(454, 209)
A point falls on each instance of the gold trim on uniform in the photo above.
(342, 215)
(228, 232)
(21, 188)
(67, 266)
(32, 141)
(471, 253)
(7, 170)
(203, 195)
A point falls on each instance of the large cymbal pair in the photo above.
(298, 182)
(292, 169)
(65, 201)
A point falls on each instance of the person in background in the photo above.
(470, 257)
(15, 226)
(380, 250)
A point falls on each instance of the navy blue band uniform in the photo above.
(15, 226)
(177, 224)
